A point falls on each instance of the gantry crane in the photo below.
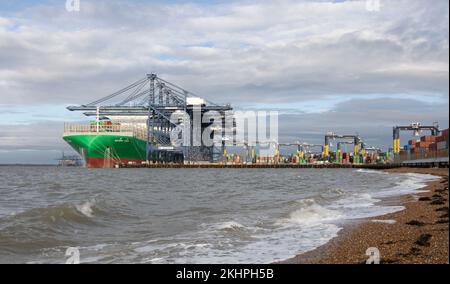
(340, 143)
(250, 154)
(339, 149)
(300, 151)
(416, 127)
(158, 100)
(303, 146)
(357, 142)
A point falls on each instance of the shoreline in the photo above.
(420, 233)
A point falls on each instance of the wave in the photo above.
(371, 171)
(330, 194)
(412, 184)
(337, 191)
(87, 208)
(310, 213)
(424, 177)
(233, 228)
(230, 226)
(66, 212)
(37, 229)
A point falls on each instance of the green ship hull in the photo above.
(106, 150)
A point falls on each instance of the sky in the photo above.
(342, 66)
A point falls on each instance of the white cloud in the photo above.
(4, 22)
(299, 49)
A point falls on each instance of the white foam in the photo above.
(229, 225)
(411, 185)
(337, 191)
(364, 205)
(391, 222)
(156, 260)
(86, 208)
(278, 245)
(423, 176)
(371, 171)
(310, 213)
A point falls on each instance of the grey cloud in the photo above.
(34, 136)
(305, 52)
(372, 119)
(39, 143)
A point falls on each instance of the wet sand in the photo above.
(419, 235)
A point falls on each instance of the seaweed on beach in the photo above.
(424, 199)
(438, 200)
(412, 252)
(442, 209)
(415, 223)
(388, 261)
(424, 240)
(442, 190)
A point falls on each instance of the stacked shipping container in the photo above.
(442, 141)
(427, 147)
(429, 143)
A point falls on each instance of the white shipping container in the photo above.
(442, 145)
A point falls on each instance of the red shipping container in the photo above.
(445, 133)
(440, 139)
(428, 138)
(424, 145)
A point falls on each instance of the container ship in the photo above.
(106, 143)
(135, 124)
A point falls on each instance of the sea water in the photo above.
(184, 215)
